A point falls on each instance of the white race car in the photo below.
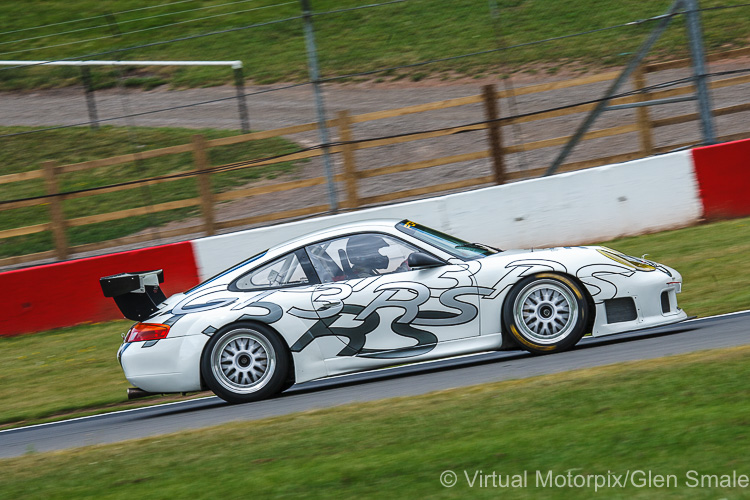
(372, 294)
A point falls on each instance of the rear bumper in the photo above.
(169, 365)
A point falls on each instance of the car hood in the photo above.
(576, 257)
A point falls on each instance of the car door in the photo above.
(379, 308)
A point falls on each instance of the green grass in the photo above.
(668, 416)
(349, 42)
(41, 373)
(71, 145)
(44, 373)
(713, 261)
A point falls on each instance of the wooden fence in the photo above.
(350, 174)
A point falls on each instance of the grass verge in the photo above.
(712, 259)
(42, 373)
(72, 145)
(348, 42)
(668, 416)
(42, 376)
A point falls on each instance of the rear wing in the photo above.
(138, 295)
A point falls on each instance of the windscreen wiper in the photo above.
(480, 246)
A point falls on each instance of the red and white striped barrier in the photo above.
(68, 293)
(723, 173)
(647, 195)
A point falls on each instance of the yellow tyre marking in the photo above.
(575, 290)
(565, 280)
(525, 342)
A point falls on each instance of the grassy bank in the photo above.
(71, 145)
(668, 416)
(349, 42)
(712, 259)
(41, 373)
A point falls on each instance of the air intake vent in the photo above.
(665, 302)
(620, 310)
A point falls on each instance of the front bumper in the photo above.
(654, 303)
(169, 365)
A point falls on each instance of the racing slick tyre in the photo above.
(245, 362)
(546, 313)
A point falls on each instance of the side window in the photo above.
(359, 256)
(284, 271)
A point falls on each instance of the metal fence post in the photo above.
(312, 63)
(88, 89)
(602, 104)
(239, 85)
(494, 132)
(695, 35)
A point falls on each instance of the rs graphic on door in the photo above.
(382, 298)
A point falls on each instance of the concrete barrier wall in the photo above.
(590, 205)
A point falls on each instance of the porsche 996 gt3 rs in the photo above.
(373, 294)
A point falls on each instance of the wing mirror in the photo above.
(419, 260)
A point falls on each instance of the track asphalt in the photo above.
(411, 380)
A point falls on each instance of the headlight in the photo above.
(626, 260)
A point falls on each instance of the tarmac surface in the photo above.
(411, 380)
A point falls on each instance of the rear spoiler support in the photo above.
(138, 295)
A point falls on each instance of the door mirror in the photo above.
(419, 260)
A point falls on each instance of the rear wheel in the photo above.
(245, 362)
(546, 313)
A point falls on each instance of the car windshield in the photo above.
(449, 244)
(227, 271)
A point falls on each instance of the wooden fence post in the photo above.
(494, 132)
(642, 114)
(204, 184)
(57, 217)
(350, 166)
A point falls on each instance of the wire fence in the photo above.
(322, 80)
(286, 19)
(358, 142)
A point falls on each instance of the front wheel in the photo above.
(245, 362)
(546, 313)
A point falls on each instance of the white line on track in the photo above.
(718, 316)
(103, 414)
(142, 408)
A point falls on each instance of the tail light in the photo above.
(141, 332)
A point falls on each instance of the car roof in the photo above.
(376, 225)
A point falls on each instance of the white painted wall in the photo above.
(592, 205)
